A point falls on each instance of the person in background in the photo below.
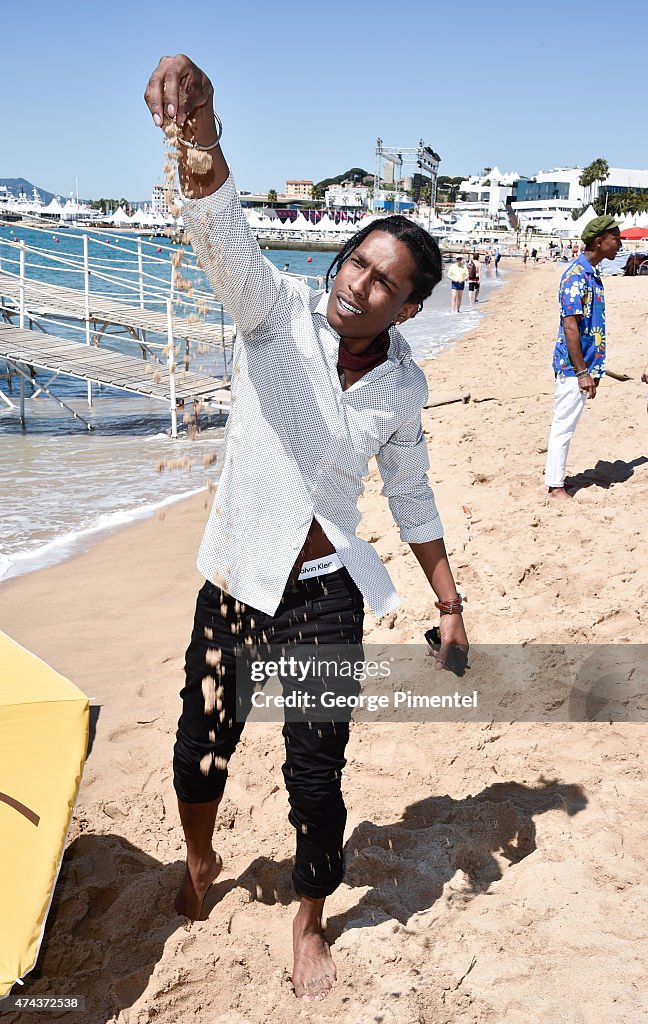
(474, 278)
(458, 275)
(498, 255)
(525, 255)
(579, 354)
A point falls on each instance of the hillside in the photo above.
(15, 185)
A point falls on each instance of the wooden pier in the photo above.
(36, 304)
(70, 303)
(169, 384)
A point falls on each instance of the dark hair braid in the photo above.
(420, 243)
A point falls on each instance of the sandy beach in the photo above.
(496, 872)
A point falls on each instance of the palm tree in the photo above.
(597, 171)
(272, 196)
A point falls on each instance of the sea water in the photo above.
(62, 487)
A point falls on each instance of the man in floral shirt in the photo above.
(579, 355)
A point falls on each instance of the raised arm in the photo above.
(247, 284)
(179, 91)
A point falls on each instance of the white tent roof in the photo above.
(120, 217)
(53, 207)
(326, 224)
(585, 218)
(465, 224)
(140, 217)
(628, 221)
(560, 223)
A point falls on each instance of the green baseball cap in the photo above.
(597, 227)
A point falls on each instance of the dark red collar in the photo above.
(365, 361)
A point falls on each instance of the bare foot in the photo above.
(197, 880)
(559, 494)
(314, 972)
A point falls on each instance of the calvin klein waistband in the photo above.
(320, 566)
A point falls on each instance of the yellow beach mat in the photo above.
(43, 742)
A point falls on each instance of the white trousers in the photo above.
(569, 402)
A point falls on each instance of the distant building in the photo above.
(540, 199)
(298, 189)
(619, 180)
(347, 196)
(159, 202)
(488, 196)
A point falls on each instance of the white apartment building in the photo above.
(347, 195)
(158, 199)
(485, 197)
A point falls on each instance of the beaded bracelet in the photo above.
(195, 145)
(582, 373)
(450, 607)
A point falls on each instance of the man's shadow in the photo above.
(604, 474)
(408, 862)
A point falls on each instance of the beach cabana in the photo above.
(43, 742)
(465, 225)
(120, 218)
(326, 223)
(53, 209)
(585, 218)
(560, 225)
(143, 219)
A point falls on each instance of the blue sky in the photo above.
(304, 89)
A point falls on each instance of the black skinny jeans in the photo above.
(324, 610)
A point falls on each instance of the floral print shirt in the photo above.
(581, 294)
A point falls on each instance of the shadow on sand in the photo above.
(113, 909)
(605, 474)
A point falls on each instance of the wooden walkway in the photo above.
(86, 362)
(54, 300)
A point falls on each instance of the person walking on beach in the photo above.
(474, 278)
(579, 354)
(525, 255)
(320, 382)
(458, 276)
(497, 254)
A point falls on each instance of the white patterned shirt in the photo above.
(296, 445)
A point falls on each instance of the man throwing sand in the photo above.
(579, 355)
(321, 381)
